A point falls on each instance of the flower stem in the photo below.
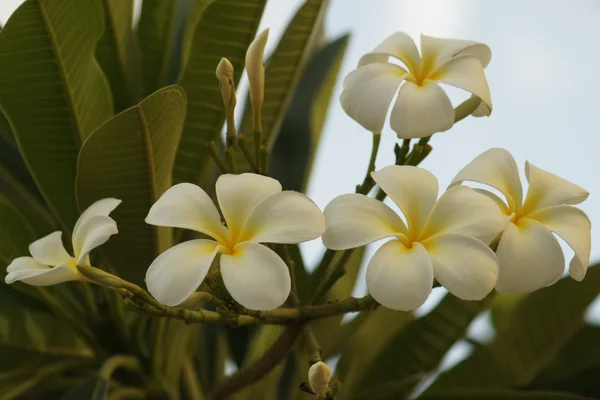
(338, 270)
(191, 382)
(212, 150)
(118, 361)
(466, 108)
(241, 140)
(312, 347)
(368, 182)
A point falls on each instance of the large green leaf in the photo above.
(530, 338)
(419, 348)
(53, 92)
(17, 382)
(117, 54)
(165, 35)
(293, 153)
(226, 29)
(130, 158)
(499, 394)
(284, 70)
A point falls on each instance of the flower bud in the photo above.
(101, 277)
(319, 376)
(224, 74)
(256, 74)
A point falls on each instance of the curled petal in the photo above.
(400, 46)
(398, 277)
(175, 274)
(462, 264)
(436, 51)
(255, 67)
(239, 194)
(530, 257)
(255, 276)
(189, 207)
(498, 169)
(499, 202)
(421, 110)
(413, 189)
(547, 189)
(462, 210)
(368, 92)
(285, 217)
(94, 232)
(29, 271)
(574, 226)
(102, 207)
(49, 250)
(465, 72)
(354, 220)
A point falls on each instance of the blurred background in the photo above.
(543, 79)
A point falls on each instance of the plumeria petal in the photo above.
(368, 92)
(436, 51)
(547, 189)
(462, 210)
(413, 189)
(187, 206)
(530, 257)
(49, 250)
(94, 232)
(421, 110)
(285, 217)
(498, 169)
(462, 264)
(101, 207)
(255, 276)
(354, 220)
(496, 199)
(574, 226)
(175, 274)
(239, 194)
(400, 46)
(34, 274)
(398, 277)
(465, 72)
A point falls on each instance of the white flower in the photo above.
(319, 376)
(529, 254)
(51, 263)
(446, 239)
(422, 107)
(256, 211)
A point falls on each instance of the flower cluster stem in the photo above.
(368, 182)
(214, 154)
(241, 140)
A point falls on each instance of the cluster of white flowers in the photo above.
(470, 240)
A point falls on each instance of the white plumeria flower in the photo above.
(447, 239)
(51, 263)
(422, 107)
(319, 376)
(256, 211)
(529, 254)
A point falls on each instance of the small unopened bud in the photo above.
(319, 376)
(256, 75)
(101, 277)
(224, 74)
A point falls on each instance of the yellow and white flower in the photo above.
(422, 107)
(529, 254)
(256, 210)
(51, 263)
(447, 239)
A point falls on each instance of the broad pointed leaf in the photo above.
(117, 54)
(131, 158)
(53, 92)
(226, 30)
(530, 338)
(500, 394)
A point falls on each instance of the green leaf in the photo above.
(130, 158)
(19, 381)
(294, 150)
(226, 30)
(165, 35)
(532, 336)
(95, 388)
(117, 54)
(419, 348)
(284, 70)
(54, 94)
(499, 394)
